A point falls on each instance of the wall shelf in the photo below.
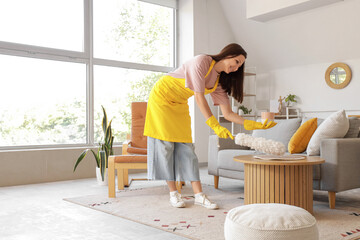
(287, 114)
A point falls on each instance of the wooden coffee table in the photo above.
(279, 181)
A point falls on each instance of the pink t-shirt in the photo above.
(194, 72)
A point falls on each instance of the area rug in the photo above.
(150, 206)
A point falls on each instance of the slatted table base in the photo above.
(279, 184)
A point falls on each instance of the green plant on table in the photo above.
(245, 109)
(105, 148)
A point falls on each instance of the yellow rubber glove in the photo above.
(252, 125)
(218, 129)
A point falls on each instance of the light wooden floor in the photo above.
(37, 211)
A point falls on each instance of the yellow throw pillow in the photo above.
(302, 136)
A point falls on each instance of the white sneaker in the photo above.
(175, 200)
(202, 200)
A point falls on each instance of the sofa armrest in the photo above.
(125, 146)
(213, 151)
(217, 144)
(340, 171)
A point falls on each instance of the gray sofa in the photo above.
(340, 171)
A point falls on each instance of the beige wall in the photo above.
(292, 53)
(44, 165)
(212, 32)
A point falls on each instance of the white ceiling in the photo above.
(264, 11)
(325, 34)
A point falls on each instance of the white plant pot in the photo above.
(99, 179)
(241, 112)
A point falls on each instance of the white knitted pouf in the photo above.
(270, 221)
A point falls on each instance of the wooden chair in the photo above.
(133, 152)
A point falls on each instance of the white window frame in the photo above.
(86, 57)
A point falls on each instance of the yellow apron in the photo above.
(167, 114)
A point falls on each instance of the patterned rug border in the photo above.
(99, 206)
(133, 220)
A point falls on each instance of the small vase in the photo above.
(241, 112)
(99, 179)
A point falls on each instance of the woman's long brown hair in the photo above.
(232, 83)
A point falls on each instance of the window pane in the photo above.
(115, 89)
(42, 102)
(133, 31)
(54, 24)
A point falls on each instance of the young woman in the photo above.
(171, 155)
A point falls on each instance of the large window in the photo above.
(45, 23)
(133, 31)
(42, 102)
(62, 60)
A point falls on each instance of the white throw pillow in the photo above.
(334, 126)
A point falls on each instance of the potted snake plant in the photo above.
(105, 149)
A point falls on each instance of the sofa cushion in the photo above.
(305, 119)
(334, 126)
(226, 161)
(282, 132)
(301, 138)
(354, 125)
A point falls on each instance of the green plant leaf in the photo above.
(107, 149)
(97, 159)
(104, 122)
(102, 165)
(111, 146)
(290, 98)
(108, 134)
(245, 109)
(81, 157)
